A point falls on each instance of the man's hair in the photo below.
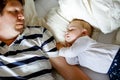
(85, 25)
(4, 2)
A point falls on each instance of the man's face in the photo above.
(12, 20)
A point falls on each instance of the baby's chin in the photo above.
(69, 43)
(69, 40)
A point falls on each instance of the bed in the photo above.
(55, 15)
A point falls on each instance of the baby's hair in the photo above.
(86, 25)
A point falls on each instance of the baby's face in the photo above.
(74, 31)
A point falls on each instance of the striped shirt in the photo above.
(27, 58)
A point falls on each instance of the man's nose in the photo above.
(21, 16)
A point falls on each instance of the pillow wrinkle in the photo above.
(102, 14)
(31, 17)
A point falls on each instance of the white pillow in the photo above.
(57, 24)
(30, 13)
(35, 10)
(43, 6)
(103, 14)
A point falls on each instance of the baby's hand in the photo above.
(59, 45)
(67, 44)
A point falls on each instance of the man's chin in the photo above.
(20, 28)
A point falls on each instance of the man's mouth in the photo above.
(20, 23)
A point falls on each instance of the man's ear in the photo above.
(84, 32)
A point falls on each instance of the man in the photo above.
(25, 51)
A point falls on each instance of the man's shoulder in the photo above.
(37, 30)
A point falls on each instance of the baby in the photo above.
(82, 50)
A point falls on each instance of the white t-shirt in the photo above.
(91, 54)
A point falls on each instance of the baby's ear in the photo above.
(85, 32)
